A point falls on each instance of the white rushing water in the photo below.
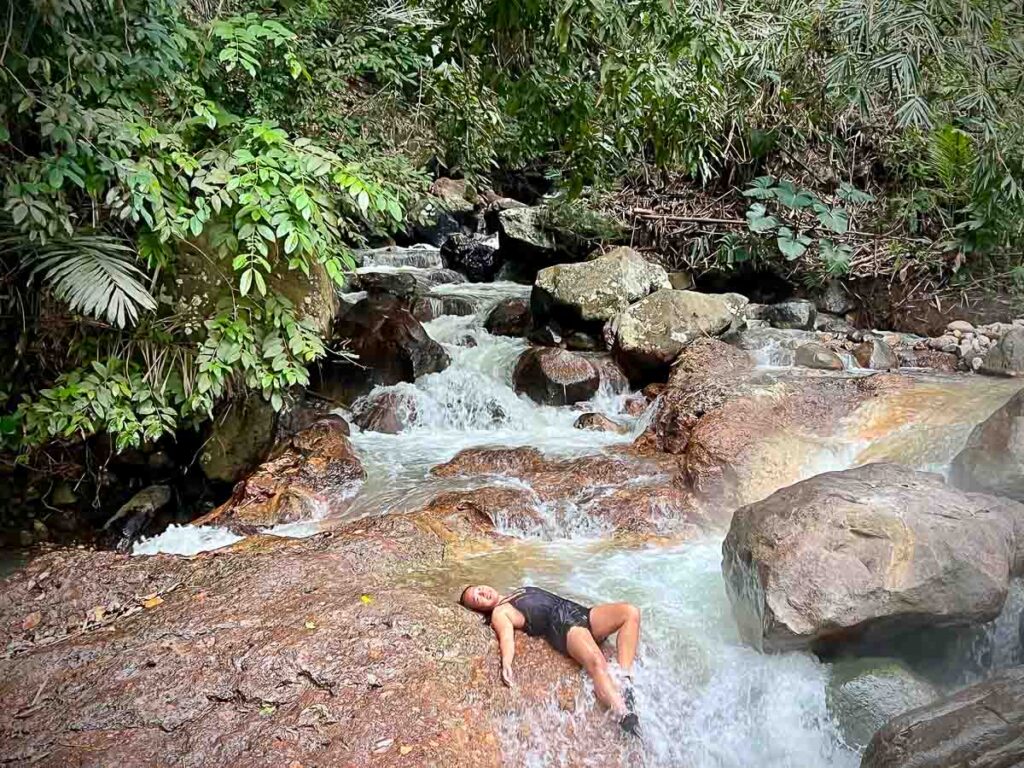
(706, 700)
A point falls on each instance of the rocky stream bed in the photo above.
(766, 483)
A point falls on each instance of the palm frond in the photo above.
(93, 274)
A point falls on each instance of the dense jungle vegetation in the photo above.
(264, 139)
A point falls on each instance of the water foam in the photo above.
(186, 540)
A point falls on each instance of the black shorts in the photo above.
(564, 617)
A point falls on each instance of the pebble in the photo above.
(960, 325)
(976, 363)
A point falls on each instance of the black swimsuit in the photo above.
(548, 614)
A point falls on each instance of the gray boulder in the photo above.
(867, 553)
(834, 299)
(864, 694)
(595, 291)
(876, 355)
(525, 237)
(817, 356)
(981, 726)
(993, 459)
(650, 334)
(797, 314)
(1006, 358)
(240, 437)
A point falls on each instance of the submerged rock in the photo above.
(590, 293)
(817, 356)
(387, 412)
(510, 317)
(864, 694)
(598, 422)
(1006, 358)
(552, 376)
(865, 553)
(981, 726)
(476, 259)
(993, 459)
(314, 473)
(650, 334)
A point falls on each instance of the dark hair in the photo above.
(462, 594)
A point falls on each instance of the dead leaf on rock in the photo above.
(31, 621)
(97, 613)
(366, 599)
(310, 624)
(405, 750)
(152, 602)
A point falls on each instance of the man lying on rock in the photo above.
(572, 629)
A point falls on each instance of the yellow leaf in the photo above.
(405, 750)
(98, 613)
(366, 599)
(31, 621)
(152, 602)
(310, 624)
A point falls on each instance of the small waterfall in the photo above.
(420, 256)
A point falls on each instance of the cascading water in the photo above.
(705, 699)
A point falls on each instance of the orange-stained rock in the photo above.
(324, 651)
(620, 490)
(312, 473)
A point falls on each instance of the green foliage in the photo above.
(800, 220)
(139, 143)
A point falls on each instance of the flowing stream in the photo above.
(705, 699)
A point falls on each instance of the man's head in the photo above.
(480, 598)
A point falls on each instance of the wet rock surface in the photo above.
(391, 346)
(864, 694)
(876, 355)
(478, 260)
(274, 652)
(981, 726)
(552, 376)
(993, 459)
(614, 492)
(510, 317)
(312, 474)
(818, 357)
(872, 551)
(388, 412)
